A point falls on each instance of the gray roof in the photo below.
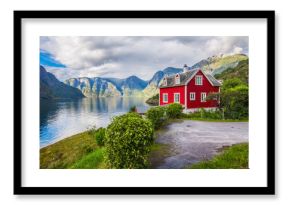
(184, 77)
(212, 80)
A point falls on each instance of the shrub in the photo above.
(235, 99)
(157, 116)
(174, 110)
(133, 109)
(203, 114)
(128, 141)
(132, 114)
(100, 136)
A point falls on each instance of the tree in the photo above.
(234, 99)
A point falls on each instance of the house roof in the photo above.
(212, 80)
(185, 78)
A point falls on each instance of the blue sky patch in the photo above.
(47, 59)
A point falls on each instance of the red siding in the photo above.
(198, 89)
(171, 91)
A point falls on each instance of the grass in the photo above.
(216, 120)
(67, 152)
(94, 160)
(157, 154)
(234, 157)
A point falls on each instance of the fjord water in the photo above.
(61, 119)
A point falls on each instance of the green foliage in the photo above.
(132, 114)
(203, 114)
(174, 110)
(231, 83)
(154, 101)
(235, 157)
(157, 116)
(93, 160)
(133, 109)
(128, 142)
(100, 136)
(235, 99)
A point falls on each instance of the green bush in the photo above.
(100, 136)
(128, 141)
(174, 110)
(133, 109)
(203, 114)
(235, 99)
(157, 116)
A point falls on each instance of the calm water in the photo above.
(61, 119)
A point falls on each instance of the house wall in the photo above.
(171, 91)
(198, 89)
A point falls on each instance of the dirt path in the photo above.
(192, 141)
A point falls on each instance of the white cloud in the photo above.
(237, 50)
(141, 56)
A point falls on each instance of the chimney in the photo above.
(185, 68)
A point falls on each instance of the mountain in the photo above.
(152, 87)
(91, 87)
(134, 86)
(51, 88)
(107, 87)
(241, 71)
(218, 64)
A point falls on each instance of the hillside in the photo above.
(51, 88)
(218, 64)
(241, 71)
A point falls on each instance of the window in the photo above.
(165, 97)
(192, 96)
(176, 97)
(198, 80)
(177, 79)
(203, 97)
(164, 82)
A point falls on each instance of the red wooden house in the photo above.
(190, 89)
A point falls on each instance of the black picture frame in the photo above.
(268, 190)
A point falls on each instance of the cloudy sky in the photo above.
(120, 57)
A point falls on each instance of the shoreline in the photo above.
(62, 139)
(203, 120)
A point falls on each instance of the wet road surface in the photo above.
(192, 141)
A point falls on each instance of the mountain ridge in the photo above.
(134, 86)
(52, 88)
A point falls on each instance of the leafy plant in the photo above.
(100, 136)
(174, 110)
(235, 99)
(203, 114)
(128, 141)
(157, 116)
(133, 109)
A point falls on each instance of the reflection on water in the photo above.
(60, 119)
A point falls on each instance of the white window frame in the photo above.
(178, 97)
(201, 97)
(164, 81)
(177, 79)
(165, 94)
(190, 96)
(197, 82)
